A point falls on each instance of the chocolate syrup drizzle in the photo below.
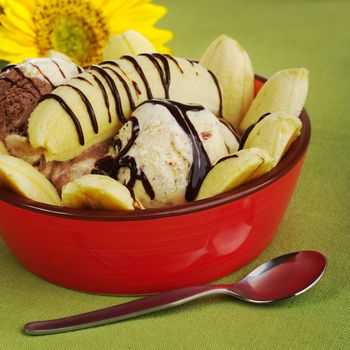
(201, 162)
(200, 166)
(44, 76)
(225, 158)
(249, 130)
(171, 58)
(103, 89)
(84, 79)
(69, 111)
(105, 73)
(110, 166)
(193, 62)
(88, 106)
(125, 85)
(230, 127)
(219, 91)
(141, 74)
(21, 74)
(115, 64)
(59, 68)
(115, 93)
(136, 87)
(164, 75)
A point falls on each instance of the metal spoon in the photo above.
(277, 279)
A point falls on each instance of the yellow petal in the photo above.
(144, 15)
(13, 59)
(158, 37)
(28, 4)
(22, 12)
(18, 22)
(149, 13)
(11, 46)
(8, 30)
(16, 53)
(110, 7)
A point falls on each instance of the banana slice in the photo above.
(130, 42)
(98, 192)
(3, 149)
(275, 133)
(234, 170)
(284, 91)
(91, 107)
(233, 68)
(19, 177)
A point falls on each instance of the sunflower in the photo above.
(76, 28)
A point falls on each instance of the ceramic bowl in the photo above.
(155, 249)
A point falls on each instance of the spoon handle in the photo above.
(124, 311)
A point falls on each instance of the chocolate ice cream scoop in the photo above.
(21, 87)
(18, 97)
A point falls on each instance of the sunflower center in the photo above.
(70, 38)
(72, 27)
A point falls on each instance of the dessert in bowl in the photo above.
(211, 225)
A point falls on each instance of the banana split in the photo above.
(144, 130)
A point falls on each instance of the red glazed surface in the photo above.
(152, 250)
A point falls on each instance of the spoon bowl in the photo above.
(277, 279)
(281, 278)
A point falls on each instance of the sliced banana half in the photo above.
(3, 149)
(21, 178)
(232, 66)
(285, 91)
(98, 192)
(234, 170)
(274, 133)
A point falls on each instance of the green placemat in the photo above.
(277, 34)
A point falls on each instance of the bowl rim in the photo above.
(289, 161)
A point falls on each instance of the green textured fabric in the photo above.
(277, 35)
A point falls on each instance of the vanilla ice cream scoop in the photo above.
(166, 149)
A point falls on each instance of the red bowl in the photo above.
(155, 249)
